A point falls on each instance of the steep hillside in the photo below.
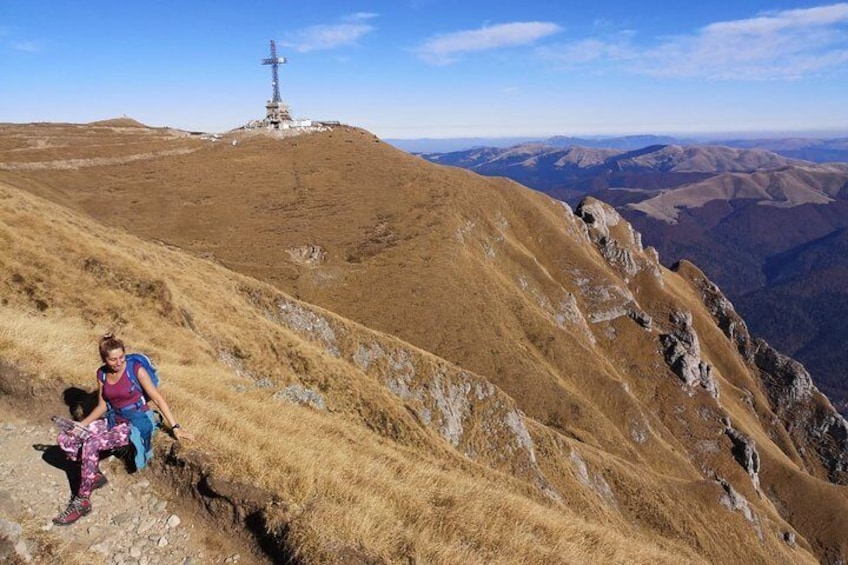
(647, 404)
(331, 442)
(755, 249)
(731, 223)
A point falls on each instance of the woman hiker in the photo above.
(123, 391)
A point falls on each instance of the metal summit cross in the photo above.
(275, 63)
(277, 111)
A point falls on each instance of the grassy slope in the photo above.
(481, 269)
(397, 494)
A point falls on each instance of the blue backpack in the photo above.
(134, 360)
(142, 427)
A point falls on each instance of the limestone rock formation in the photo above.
(745, 452)
(720, 308)
(682, 351)
(787, 381)
(308, 254)
(807, 414)
(616, 239)
(467, 411)
(732, 500)
(297, 394)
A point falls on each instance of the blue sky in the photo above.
(434, 68)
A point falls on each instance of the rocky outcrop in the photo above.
(719, 307)
(569, 312)
(307, 323)
(470, 413)
(734, 501)
(592, 480)
(819, 433)
(641, 318)
(616, 239)
(606, 302)
(466, 410)
(804, 411)
(807, 414)
(297, 394)
(682, 352)
(745, 453)
(787, 382)
(308, 254)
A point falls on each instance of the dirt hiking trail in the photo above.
(135, 520)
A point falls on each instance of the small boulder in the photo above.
(297, 394)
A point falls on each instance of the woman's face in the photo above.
(115, 360)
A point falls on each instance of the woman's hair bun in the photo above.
(107, 343)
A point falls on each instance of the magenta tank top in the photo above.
(121, 394)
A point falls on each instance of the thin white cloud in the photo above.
(26, 46)
(775, 45)
(330, 36)
(360, 16)
(772, 22)
(786, 44)
(584, 51)
(444, 48)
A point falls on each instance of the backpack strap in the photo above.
(130, 369)
(110, 412)
(135, 385)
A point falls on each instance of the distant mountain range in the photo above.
(817, 150)
(760, 223)
(430, 145)
(806, 148)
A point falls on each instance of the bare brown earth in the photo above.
(487, 276)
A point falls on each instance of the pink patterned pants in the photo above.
(100, 439)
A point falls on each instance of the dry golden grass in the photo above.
(54, 346)
(474, 271)
(346, 485)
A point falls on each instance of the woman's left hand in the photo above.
(181, 434)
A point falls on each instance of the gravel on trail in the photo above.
(133, 521)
